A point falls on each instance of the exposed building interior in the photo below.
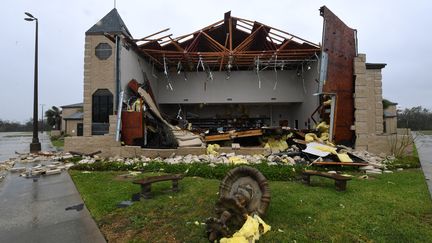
(233, 76)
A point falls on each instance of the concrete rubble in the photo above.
(47, 163)
(377, 163)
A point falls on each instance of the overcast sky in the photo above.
(394, 32)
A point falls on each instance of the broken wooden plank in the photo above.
(218, 137)
(85, 154)
(340, 163)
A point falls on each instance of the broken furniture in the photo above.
(147, 182)
(340, 181)
(244, 191)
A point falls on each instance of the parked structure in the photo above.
(233, 73)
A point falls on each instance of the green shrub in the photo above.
(204, 170)
(405, 162)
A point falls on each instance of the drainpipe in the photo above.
(117, 68)
(119, 93)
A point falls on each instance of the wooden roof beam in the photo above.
(246, 42)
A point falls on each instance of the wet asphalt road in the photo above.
(47, 209)
(424, 148)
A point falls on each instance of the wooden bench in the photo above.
(340, 181)
(146, 183)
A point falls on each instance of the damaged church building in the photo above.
(235, 82)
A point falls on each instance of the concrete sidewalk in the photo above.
(45, 209)
(424, 148)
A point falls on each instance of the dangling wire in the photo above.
(257, 72)
(302, 75)
(179, 67)
(166, 74)
(276, 73)
(228, 68)
(209, 74)
(165, 66)
(200, 64)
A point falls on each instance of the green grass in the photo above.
(426, 132)
(57, 142)
(406, 161)
(385, 208)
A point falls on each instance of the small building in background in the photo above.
(390, 117)
(72, 119)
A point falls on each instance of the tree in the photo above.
(53, 117)
(416, 118)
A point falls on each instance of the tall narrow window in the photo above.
(102, 106)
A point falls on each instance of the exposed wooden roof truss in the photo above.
(229, 44)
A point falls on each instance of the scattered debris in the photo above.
(244, 195)
(77, 207)
(251, 230)
(124, 204)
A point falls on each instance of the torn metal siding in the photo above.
(339, 44)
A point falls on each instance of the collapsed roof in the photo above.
(229, 44)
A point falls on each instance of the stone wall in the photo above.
(92, 144)
(98, 74)
(369, 113)
(71, 127)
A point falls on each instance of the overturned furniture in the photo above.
(244, 191)
(147, 182)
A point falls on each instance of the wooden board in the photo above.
(232, 135)
(341, 163)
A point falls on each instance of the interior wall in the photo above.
(132, 66)
(241, 87)
(303, 111)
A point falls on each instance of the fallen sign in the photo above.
(340, 181)
(146, 183)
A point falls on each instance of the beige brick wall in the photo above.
(67, 112)
(368, 108)
(92, 144)
(98, 74)
(71, 127)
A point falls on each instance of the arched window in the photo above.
(102, 106)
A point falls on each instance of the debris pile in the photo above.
(48, 163)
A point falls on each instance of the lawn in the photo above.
(57, 142)
(384, 208)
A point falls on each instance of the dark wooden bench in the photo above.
(146, 183)
(340, 181)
